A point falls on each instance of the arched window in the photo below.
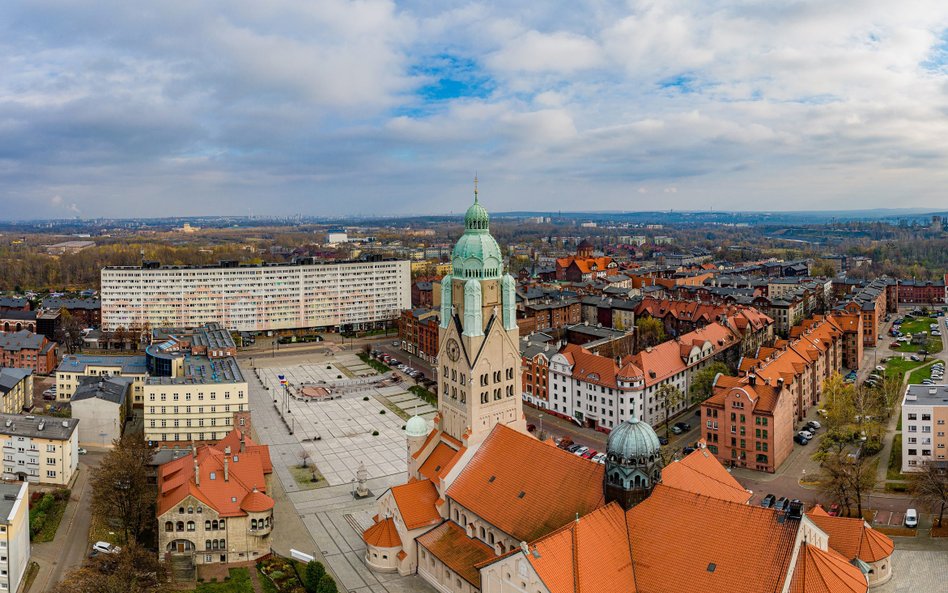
(180, 510)
(179, 526)
(190, 525)
(207, 525)
(253, 523)
(169, 526)
(222, 524)
(214, 524)
(490, 538)
(190, 510)
(481, 532)
(223, 546)
(214, 544)
(207, 544)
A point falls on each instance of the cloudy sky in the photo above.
(331, 107)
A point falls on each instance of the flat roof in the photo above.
(926, 395)
(77, 363)
(201, 370)
(245, 266)
(9, 497)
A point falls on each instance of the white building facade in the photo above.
(14, 534)
(265, 297)
(924, 426)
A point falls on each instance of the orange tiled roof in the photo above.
(416, 503)
(853, 538)
(439, 458)
(382, 534)
(246, 471)
(428, 439)
(524, 487)
(747, 546)
(449, 544)
(701, 473)
(818, 571)
(589, 555)
(256, 502)
(591, 367)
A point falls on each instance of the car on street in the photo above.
(814, 424)
(82, 450)
(684, 426)
(805, 434)
(589, 454)
(676, 430)
(688, 450)
(915, 358)
(800, 440)
(781, 503)
(574, 447)
(395, 344)
(580, 451)
(880, 368)
(105, 548)
(911, 518)
(768, 501)
(662, 441)
(599, 458)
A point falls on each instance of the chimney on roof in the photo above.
(227, 450)
(752, 379)
(197, 474)
(226, 466)
(243, 441)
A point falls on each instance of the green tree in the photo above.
(703, 381)
(671, 397)
(930, 488)
(650, 331)
(315, 571)
(326, 585)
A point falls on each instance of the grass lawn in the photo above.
(921, 373)
(303, 477)
(897, 367)
(239, 582)
(894, 470)
(378, 366)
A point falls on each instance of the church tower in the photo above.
(478, 357)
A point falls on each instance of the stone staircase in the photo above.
(182, 568)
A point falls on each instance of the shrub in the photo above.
(381, 411)
(365, 399)
(314, 573)
(375, 433)
(326, 585)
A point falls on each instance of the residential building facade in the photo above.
(42, 449)
(924, 426)
(74, 368)
(418, 333)
(14, 534)
(351, 295)
(25, 350)
(16, 390)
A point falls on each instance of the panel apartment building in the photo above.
(924, 424)
(259, 297)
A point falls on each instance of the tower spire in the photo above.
(475, 187)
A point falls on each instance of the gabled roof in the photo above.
(416, 503)
(246, 471)
(586, 556)
(524, 487)
(819, 571)
(701, 473)
(440, 458)
(852, 537)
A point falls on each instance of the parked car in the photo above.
(676, 430)
(781, 503)
(581, 451)
(833, 510)
(688, 450)
(915, 358)
(911, 518)
(599, 458)
(105, 548)
(768, 501)
(82, 450)
(574, 447)
(590, 454)
(805, 434)
(395, 344)
(880, 368)
(663, 441)
(814, 424)
(800, 440)
(684, 426)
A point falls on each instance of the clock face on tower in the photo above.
(453, 350)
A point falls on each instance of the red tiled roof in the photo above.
(382, 535)
(439, 458)
(449, 544)
(416, 503)
(524, 487)
(246, 471)
(701, 473)
(818, 571)
(853, 538)
(256, 502)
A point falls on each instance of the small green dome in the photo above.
(476, 218)
(632, 440)
(416, 427)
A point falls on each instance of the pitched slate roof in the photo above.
(524, 487)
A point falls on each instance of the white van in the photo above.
(911, 518)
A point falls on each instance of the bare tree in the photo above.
(133, 570)
(930, 488)
(671, 397)
(120, 489)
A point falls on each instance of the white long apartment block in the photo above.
(256, 297)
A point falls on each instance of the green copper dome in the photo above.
(476, 254)
(416, 427)
(633, 440)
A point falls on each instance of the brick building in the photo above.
(87, 311)
(418, 333)
(920, 292)
(25, 350)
